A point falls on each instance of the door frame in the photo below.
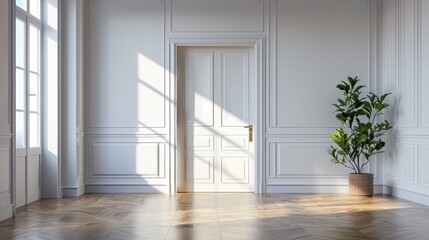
(257, 44)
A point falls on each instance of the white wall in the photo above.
(405, 73)
(5, 113)
(313, 45)
(310, 46)
(127, 98)
(51, 102)
(72, 99)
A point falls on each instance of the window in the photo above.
(27, 73)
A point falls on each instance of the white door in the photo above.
(219, 103)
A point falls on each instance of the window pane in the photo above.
(22, 4)
(33, 92)
(20, 129)
(20, 43)
(20, 89)
(35, 8)
(34, 129)
(34, 49)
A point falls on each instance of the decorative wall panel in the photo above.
(391, 162)
(408, 162)
(289, 159)
(4, 69)
(133, 159)
(5, 171)
(127, 84)
(390, 57)
(424, 165)
(423, 57)
(407, 89)
(311, 52)
(217, 16)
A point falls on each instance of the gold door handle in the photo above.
(250, 127)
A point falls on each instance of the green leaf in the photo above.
(341, 86)
(359, 113)
(384, 96)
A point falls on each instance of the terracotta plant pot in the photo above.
(361, 184)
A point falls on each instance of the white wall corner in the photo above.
(6, 212)
(407, 195)
(73, 192)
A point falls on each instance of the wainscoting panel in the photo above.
(80, 156)
(424, 165)
(313, 159)
(407, 159)
(5, 171)
(391, 162)
(136, 163)
(303, 161)
(216, 16)
(133, 159)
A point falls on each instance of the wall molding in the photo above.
(5, 130)
(310, 189)
(126, 188)
(73, 191)
(121, 129)
(273, 126)
(6, 212)
(170, 11)
(424, 164)
(423, 59)
(406, 194)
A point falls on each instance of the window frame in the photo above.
(29, 20)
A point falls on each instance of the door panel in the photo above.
(199, 72)
(33, 178)
(234, 89)
(219, 102)
(20, 182)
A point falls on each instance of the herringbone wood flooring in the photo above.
(219, 216)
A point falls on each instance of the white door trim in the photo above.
(259, 133)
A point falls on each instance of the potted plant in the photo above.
(359, 135)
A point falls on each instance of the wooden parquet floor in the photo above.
(219, 216)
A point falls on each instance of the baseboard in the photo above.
(6, 212)
(72, 192)
(407, 195)
(314, 189)
(89, 188)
